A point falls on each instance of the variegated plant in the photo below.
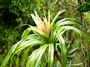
(47, 36)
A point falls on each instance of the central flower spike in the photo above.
(43, 26)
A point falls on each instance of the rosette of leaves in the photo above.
(47, 35)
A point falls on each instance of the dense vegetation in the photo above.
(15, 17)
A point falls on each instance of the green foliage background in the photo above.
(15, 15)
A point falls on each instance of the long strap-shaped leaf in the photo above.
(50, 55)
(9, 54)
(62, 29)
(68, 21)
(53, 21)
(72, 28)
(22, 44)
(63, 50)
(35, 57)
(65, 22)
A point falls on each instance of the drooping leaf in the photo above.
(11, 51)
(63, 50)
(35, 57)
(50, 55)
(68, 21)
(19, 46)
(26, 32)
(72, 28)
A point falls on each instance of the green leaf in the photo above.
(26, 32)
(70, 63)
(50, 55)
(88, 1)
(53, 21)
(24, 56)
(17, 61)
(72, 28)
(67, 21)
(30, 40)
(63, 50)
(73, 50)
(11, 51)
(84, 7)
(35, 57)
